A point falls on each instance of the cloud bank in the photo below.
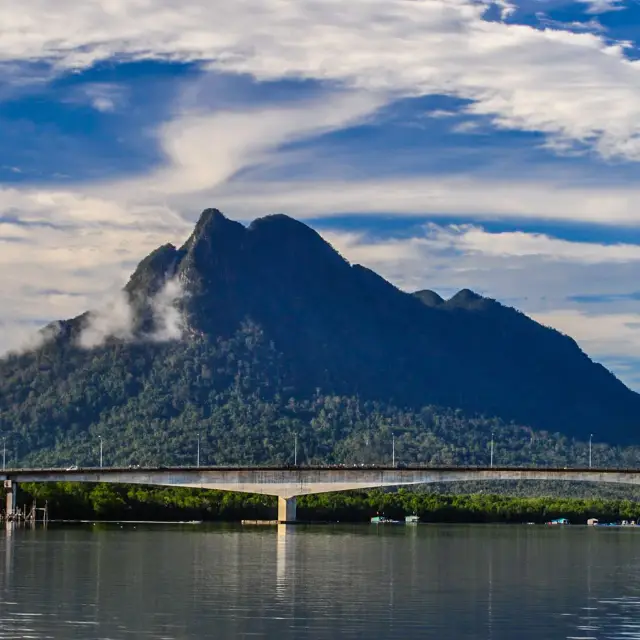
(577, 88)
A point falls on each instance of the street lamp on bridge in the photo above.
(198, 454)
(393, 449)
(4, 453)
(100, 439)
(295, 449)
(491, 455)
(590, 439)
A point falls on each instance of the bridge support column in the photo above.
(11, 489)
(286, 510)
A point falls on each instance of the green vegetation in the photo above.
(113, 502)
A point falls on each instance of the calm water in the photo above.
(362, 582)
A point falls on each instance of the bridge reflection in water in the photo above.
(289, 482)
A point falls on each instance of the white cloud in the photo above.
(574, 87)
(102, 96)
(169, 321)
(543, 198)
(441, 113)
(57, 272)
(18, 338)
(519, 244)
(114, 319)
(603, 6)
(591, 26)
(468, 126)
(204, 150)
(504, 265)
(612, 335)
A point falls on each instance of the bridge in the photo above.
(287, 483)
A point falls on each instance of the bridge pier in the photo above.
(11, 489)
(286, 510)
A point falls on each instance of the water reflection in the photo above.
(7, 569)
(323, 582)
(285, 559)
(617, 616)
(490, 593)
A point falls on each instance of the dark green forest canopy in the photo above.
(282, 336)
(149, 403)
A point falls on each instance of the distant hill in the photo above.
(244, 334)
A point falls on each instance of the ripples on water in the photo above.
(503, 582)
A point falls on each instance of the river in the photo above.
(194, 581)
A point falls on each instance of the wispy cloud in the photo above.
(113, 319)
(603, 6)
(117, 316)
(591, 26)
(105, 97)
(169, 320)
(446, 195)
(205, 150)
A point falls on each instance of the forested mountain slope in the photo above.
(247, 334)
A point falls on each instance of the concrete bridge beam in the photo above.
(287, 508)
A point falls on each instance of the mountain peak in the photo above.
(465, 298)
(214, 239)
(280, 220)
(285, 229)
(292, 243)
(211, 216)
(212, 223)
(428, 297)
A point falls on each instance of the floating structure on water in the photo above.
(25, 515)
(594, 522)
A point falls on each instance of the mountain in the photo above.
(270, 319)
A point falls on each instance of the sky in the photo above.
(447, 144)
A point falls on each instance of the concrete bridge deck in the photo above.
(289, 482)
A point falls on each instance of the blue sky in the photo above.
(444, 143)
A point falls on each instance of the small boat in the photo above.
(412, 519)
(559, 521)
(383, 520)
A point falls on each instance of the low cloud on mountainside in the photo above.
(116, 318)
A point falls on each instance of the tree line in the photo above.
(76, 501)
